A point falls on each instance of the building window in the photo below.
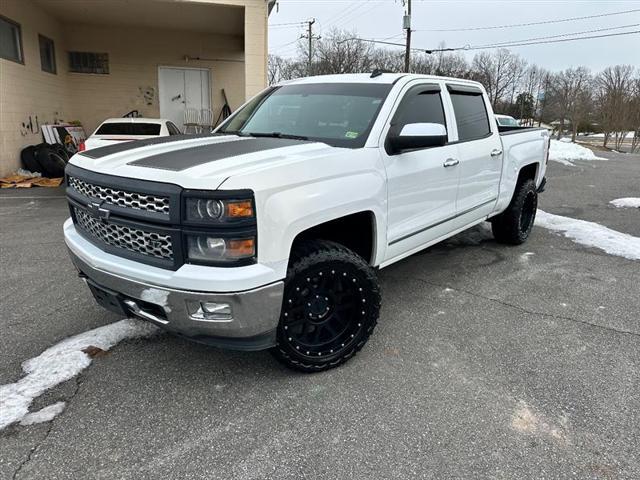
(89, 62)
(47, 54)
(10, 40)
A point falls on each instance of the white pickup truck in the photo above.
(268, 233)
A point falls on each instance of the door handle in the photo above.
(451, 162)
(496, 152)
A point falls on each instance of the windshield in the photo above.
(507, 121)
(339, 114)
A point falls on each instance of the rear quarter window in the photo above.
(471, 116)
(129, 129)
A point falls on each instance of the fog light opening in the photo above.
(210, 311)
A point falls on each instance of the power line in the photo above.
(369, 4)
(556, 41)
(465, 29)
(486, 47)
(285, 24)
(506, 44)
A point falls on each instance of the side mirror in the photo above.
(418, 135)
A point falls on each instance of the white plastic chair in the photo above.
(206, 120)
(191, 120)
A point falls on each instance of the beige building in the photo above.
(88, 60)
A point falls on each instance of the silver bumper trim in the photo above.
(256, 312)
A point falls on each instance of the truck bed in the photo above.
(504, 130)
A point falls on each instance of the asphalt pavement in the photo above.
(488, 362)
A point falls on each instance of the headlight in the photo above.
(212, 249)
(213, 210)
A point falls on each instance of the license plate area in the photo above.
(107, 299)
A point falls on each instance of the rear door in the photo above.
(421, 189)
(479, 151)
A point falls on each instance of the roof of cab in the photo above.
(383, 78)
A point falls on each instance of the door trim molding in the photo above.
(424, 229)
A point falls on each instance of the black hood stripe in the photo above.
(124, 146)
(181, 159)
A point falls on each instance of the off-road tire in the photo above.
(514, 225)
(52, 163)
(324, 274)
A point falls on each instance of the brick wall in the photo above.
(26, 92)
(134, 57)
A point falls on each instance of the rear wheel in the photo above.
(514, 225)
(330, 307)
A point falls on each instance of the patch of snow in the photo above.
(629, 202)
(565, 153)
(592, 234)
(45, 414)
(157, 297)
(60, 363)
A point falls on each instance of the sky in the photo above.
(380, 19)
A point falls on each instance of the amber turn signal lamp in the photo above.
(242, 208)
(241, 248)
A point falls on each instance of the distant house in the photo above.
(87, 61)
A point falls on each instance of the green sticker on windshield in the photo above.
(351, 134)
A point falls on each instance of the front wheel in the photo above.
(514, 225)
(330, 307)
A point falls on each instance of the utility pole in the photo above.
(406, 24)
(310, 37)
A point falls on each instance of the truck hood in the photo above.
(203, 161)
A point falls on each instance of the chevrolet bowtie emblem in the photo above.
(97, 210)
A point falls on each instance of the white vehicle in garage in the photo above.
(268, 233)
(116, 130)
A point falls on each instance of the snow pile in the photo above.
(59, 363)
(564, 153)
(45, 414)
(629, 202)
(592, 235)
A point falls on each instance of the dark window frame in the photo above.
(469, 91)
(80, 67)
(20, 59)
(171, 125)
(48, 42)
(410, 94)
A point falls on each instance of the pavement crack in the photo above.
(531, 312)
(34, 449)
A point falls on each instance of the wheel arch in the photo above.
(357, 231)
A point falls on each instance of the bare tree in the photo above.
(614, 95)
(341, 52)
(570, 96)
(635, 115)
(499, 72)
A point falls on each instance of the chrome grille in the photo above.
(121, 198)
(132, 239)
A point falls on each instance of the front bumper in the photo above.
(252, 324)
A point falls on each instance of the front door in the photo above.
(180, 89)
(421, 188)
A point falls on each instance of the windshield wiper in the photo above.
(276, 135)
(234, 132)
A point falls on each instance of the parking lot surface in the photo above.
(488, 362)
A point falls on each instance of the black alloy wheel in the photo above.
(330, 307)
